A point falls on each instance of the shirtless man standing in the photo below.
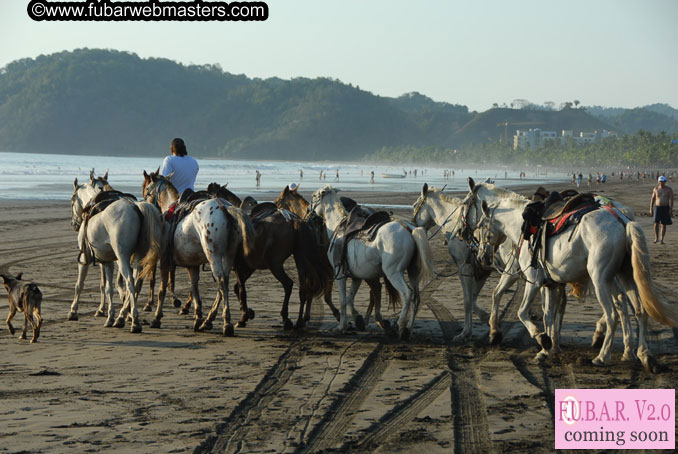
(661, 206)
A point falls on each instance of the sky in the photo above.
(615, 53)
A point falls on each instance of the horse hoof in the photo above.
(183, 311)
(250, 314)
(228, 330)
(197, 324)
(598, 362)
(241, 324)
(99, 313)
(545, 341)
(360, 323)
(119, 322)
(148, 308)
(22, 337)
(405, 334)
(108, 323)
(459, 338)
(652, 366)
(495, 338)
(597, 342)
(541, 357)
(206, 325)
(386, 325)
(337, 315)
(136, 328)
(155, 323)
(177, 303)
(11, 331)
(287, 324)
(72, 316)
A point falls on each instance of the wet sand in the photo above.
(86, 388)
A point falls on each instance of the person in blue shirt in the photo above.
(181, 168)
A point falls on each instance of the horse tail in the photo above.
(150, 237)
(393, 295)
(640, 261)
(315, 268)
(245, 228)
(423, 271)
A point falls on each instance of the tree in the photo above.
(576, 102)
(549, 105)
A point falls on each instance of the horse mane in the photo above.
(498, 192)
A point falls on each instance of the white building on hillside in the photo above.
(536, 138)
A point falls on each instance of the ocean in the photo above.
(38, 176)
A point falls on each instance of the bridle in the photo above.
(157, 186)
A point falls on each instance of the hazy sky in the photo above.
(603, 52)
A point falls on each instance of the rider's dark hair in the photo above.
(179, 147)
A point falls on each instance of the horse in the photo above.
(435, 208)
(213, 232)
(603, 251)
(154, 191)
(124, 231)
(394, 250)
(291, 200)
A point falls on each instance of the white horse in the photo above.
(435, 208)
(124, 231)
(601, 251)
(212, 232)
(393, 251)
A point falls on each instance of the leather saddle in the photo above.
(103, 199)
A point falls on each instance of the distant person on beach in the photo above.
(301, 174)
(337, 177)
(258, 178)
(182, 168)
(661, 207)
(372, 177)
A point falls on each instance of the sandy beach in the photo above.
(86, 388)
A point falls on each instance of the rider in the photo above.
(183, 168)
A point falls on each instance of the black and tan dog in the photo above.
(24, 296)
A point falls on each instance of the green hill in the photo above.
(116, 103)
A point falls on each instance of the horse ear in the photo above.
(471, 183)
(485, 208)
(18, 276)
(169, 177)
(157, 172)
(91, 176)
(225, 186)
(146, 176)
(106, 175)
(75, 184)
(424, 190)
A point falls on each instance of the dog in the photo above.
(24, 296)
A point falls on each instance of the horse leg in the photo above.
(243, 273)
(328, 301)
(476, 288)
(357, 318)
(164, 277)
(82, 274)
(194, 276)
(558, 320)
(599, 333)
(375, 302)
(467, 283)
(505, 282)
(287, 283)
(126, 271)
(102, 289)
(176, 302)
(221, 272)
(543, 339)
(12, 313)
(343, 321)
(398, 282)
(603, 293)
(148, 307)
(107, 269)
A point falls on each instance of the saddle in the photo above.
(95, 206)
(102, 200)
(542, 220)
(354, 225)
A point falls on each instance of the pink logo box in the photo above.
(615, 419)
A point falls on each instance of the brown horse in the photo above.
(293, 201)
(278, 235)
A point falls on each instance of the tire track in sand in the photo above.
(229, 432)
(329, 431)
(402, 414)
